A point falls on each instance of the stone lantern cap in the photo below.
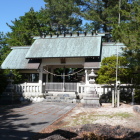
(92, 74)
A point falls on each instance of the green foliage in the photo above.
(4, 49)
(88, 27)
(31, 24)
(16, 76)
(3, 53)
(2, 40)
(63, 15)
(57, 16)
(66, 15)
(107, 72)
(128, 32)
(137, 95)
(102, 13)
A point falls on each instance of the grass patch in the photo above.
(80, 119)
(123, 115)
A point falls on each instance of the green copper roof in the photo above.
(109, 49)
(16, 59)
(80, 46)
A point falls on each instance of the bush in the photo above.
(126, 96)
(137, 96)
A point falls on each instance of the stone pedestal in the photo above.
(91, 98)
(9, 96)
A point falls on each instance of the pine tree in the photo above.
(31, 24)
(99, 13)
(63, 15)
(4, 48)
(128, 32)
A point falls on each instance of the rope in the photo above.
(63, 75)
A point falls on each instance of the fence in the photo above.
(68, 87)
(27, 87)
(57, 86)
(104, 89)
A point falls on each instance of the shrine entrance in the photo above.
(63, 79)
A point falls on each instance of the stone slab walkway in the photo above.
(24, 121)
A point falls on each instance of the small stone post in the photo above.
(133, 94)
(86, 78)
(113, 98)
(118, 97)
(40, 78)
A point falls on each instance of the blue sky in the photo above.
(11, 9)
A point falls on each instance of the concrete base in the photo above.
(91, 105)
(91, 102)
(58, 92)
(90, 98)
(32, 97)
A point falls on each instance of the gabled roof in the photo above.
(16, 59)
(60, 47)
(80, 46)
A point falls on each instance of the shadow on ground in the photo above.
(13, 125)
(91, 132)
(58, 134)
(24, 121)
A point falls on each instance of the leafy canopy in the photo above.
(107, 72)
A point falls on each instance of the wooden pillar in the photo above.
(40, 78)
(64, 79)
(86, 77)
(47, 79)
(51, 75)
(77, 87)
(25, 87)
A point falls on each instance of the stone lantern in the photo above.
(91, 77)
(91, 97)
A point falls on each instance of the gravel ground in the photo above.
(105, 121)
(123, 115)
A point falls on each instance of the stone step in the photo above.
(7, 93)
(91, 95)
(91, 98)
(48, 94)
(10, 86)
(58, 92)
(8, 90)
(60, 99)
(61, 95)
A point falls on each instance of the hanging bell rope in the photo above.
(62, 74)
